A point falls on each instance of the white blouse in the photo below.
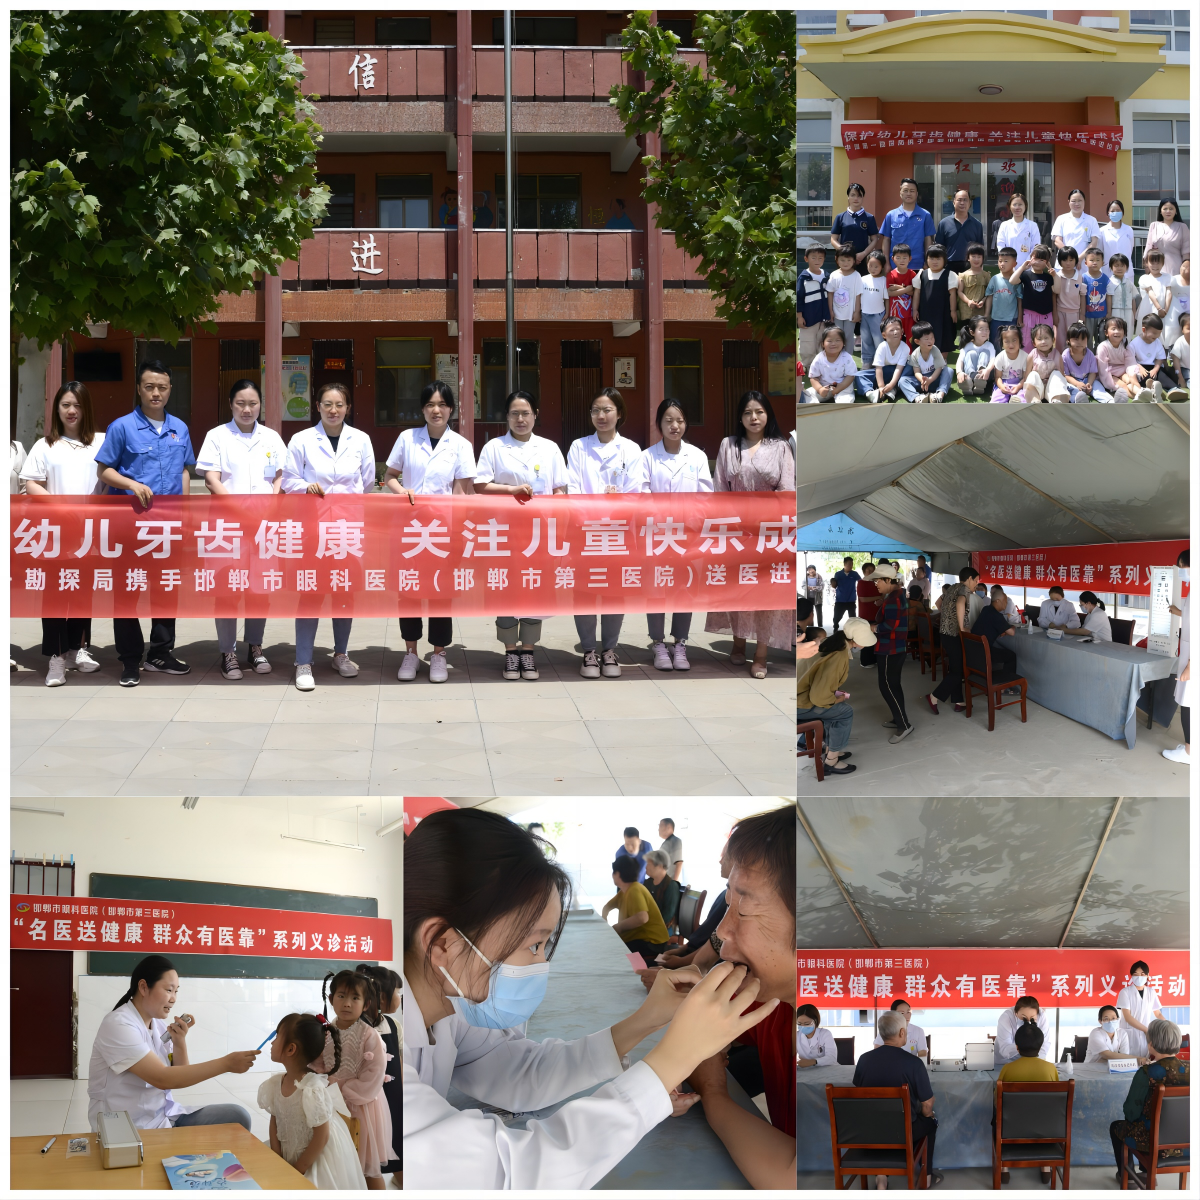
(68, 468)
(687, 471)
(820, 1046)
(1098, 625)
(247, 464)
(538, 462)
(428, 469)
(311, 458)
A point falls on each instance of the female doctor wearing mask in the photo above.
(815, 1046)
(476, 963)
(1139, 1005)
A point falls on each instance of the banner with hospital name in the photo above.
(972, 977)
(163, 927)
(861, 140)
(379, 556)
(1123, 568)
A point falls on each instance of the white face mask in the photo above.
(1138, 981)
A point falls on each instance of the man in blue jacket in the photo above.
(845, 591)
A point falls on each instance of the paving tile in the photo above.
(470, 771)
(505, 711)
(183, 763)
(537, 737)
(96, 761)
(614, 705)
(306, 787)
(130, 705)
(448, 737)
(649, 731)
(31, 732)
(115, 735)
(326, 763)
(337, 708)
(579, 762)
(425, 712)
(297, 735)
(214, 736)
(678, 783)
(663, 757)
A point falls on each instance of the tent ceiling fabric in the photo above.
(998, 872)
(908, 473)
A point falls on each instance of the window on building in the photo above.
(740, 367)
(544, 202)
(333, 31)
(582, 376)
(1161, 164)
(812, 24)
(681, 28)
(403, 366)
(536, 31)
(683, 378)
(402, 31)
(405, 201)
(340, 212)
(179, 359)
(1173, 24)
(814, 171)
(495, 375)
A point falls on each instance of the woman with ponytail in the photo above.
(393, 1090)
(137, 1057)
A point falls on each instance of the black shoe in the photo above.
(840, 769)
(168, 664)
(131, 675)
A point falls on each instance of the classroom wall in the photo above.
(236, 840)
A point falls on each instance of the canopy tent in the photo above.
(993, 872)
(959, 478)
(839, 533)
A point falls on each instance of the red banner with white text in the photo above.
(970, 977)
(160, 927)
(1120, 567)
(862, 140)
(379, 556)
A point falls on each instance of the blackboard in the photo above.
(224, 966)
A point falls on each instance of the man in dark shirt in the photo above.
(993, 625)
(891, 1065)
(844, 594)
(957, 231)
(636, 847)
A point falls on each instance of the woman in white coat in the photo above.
(915, 1039)
(672, 465)
(1139, 1005)
(430, 460)
(1018, 233)
(1185, 692)
(603, 462)
(242, 458)
(476, 964)
(815, 1046)
(1095, 620)
(331, 457)
(524, 465)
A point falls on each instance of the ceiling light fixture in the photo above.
(990, 89)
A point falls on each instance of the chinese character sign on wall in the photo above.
(1120, 567)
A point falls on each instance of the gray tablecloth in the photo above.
(1095, 683)
(591, 987)
(962, 1103)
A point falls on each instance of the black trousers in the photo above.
(1167, 379)
(841, 610)
(925, 1127)
(818, 608)
(61, 634)
(1117, 1131)
(1185, 715)
(648, 950)
(866, 656)
(440, 630)
(1004, 663)
(127, 633)
(890, 666)
(951, 687)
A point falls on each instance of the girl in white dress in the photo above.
(1139, 1005)
(305, 1128)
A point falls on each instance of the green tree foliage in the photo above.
(158, 160)
(726, 181)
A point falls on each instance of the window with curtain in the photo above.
(814, 171)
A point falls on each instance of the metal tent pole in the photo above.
(510, 333)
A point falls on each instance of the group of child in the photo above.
(1027, 334)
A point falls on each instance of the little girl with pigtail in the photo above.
(362, 1067)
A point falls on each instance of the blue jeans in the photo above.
(1080, 395)
(610, 631)
(216, 1114)
(227, 632)
(910, 388)
(837, 719)
(681, 626)
(865, 380)
(306, 635)
(869, 336)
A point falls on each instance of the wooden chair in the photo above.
(691, 905)
(977, 677)
(927, 648)
(355, 1127)
(871, 1130)
(845, 1051)
(814, 749)
(1170, 1129)
(1122, 630)
(1033, 1129)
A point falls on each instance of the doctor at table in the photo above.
(1095, 619)
(915, 1041)
(1108, 1039)
(815, 1046)
(1024, 1011)
(1056, 613)
(476, 964)
(1139, 1005)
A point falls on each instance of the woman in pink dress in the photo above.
(1170, 235)
(755, 458)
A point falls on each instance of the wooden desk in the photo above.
(54, 1170)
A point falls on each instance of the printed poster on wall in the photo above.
(445, 368)
(781, 373)
(624, 372)
(296, 379)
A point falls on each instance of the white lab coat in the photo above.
(247, 464)
(1058, 612)
(1185, 691)
(593, 466)
(915, 1043)
(537, 462)
(1142, 1006)
(1100, 1043)
(311, 459)
(821, 1047)
(473, 1151)
(1098, 625)
(432, 470)
(1007, 1025)
(687, 471)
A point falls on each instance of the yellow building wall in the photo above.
(1171, 83)
(1125, 182)
(809, 87)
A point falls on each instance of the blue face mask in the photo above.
(514, 993)
(808, 1030)
(1109, 1026)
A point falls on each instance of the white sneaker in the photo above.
(873, 395)
(662, 657)
(437, 667)
(56, 675)
(343, 666)
(1179, 754)
(680, 657)
(409, 667)
(304, 678)
(81, 660)
(937, 397)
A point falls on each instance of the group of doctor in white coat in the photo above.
(817, 1047)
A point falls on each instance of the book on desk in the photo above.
(207, 1173)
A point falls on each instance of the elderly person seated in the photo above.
(815, 1046)
(891, 1065)
(914, 1040)
(820, 695)
(993, 625)
(1011, 613)
(665, 890)
(1057, 613)
(1163, 1041)
(1108, 1039)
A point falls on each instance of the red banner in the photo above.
(377, 556)
(1120, 567)
(163, 927)
(982, 978)
(862, 140)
